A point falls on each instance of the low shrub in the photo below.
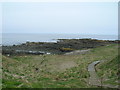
(66, 49)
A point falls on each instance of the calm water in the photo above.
(10, 39)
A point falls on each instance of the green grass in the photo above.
(109, 71)
(10, 84)
(57, 71)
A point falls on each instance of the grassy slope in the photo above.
(21, 71)
(108, 71)
(0, 71)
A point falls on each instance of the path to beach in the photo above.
(94, 80)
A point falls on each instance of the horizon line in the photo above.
(61, 33)
(59, 0)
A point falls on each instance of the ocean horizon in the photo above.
(19, 38)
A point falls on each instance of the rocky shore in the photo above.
(60, 47)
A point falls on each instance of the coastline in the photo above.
(60, 47)
(19, 38)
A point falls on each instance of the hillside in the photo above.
(57, 71)
(109, 71)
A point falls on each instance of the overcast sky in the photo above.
(77, 18)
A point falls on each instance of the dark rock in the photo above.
(36, 69)
(62, 46)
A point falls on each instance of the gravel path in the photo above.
(94, 80)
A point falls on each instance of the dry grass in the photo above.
(55, 71)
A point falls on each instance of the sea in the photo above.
(17, 38)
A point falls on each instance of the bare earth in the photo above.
(67, 65)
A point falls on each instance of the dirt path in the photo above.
(77, 52)
(94, 80)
